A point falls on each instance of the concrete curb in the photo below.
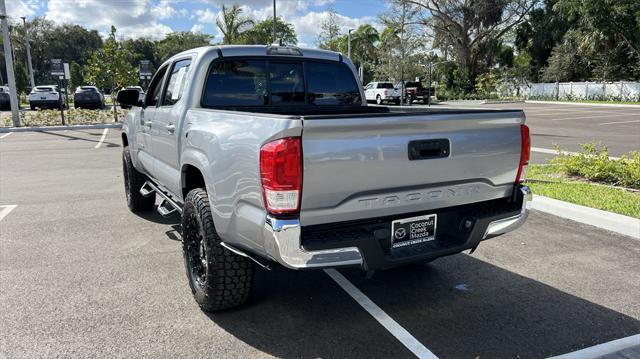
(489, 102)
(554, 152)
(614, 222)
(587, 104)
(60, 128)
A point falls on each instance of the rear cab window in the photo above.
(277, 82)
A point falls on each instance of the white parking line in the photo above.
(104, 135)
(383, 318)
(604, 349)
(555, 152)
(587, 117)
(6, 134)
(615, 123)
(6, 209)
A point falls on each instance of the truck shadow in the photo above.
(77, 138)
(457, 306)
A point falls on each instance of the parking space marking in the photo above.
(104, 135)
(604, 349)
(6, 134)
(617, 122)
(555, 152)
(6, 209)
(408, 340)
(587, 117)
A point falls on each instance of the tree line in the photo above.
(469, 45)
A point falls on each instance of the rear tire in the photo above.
(33, 108)
(133, 181)
(219, 279)
(378, 100)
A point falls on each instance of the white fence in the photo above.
(621, 91)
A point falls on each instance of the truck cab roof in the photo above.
(264, 50)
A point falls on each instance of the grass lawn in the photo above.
(583, 193)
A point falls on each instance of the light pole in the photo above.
(8, 58)
(349, 43)
(28, 46)
(274, 22)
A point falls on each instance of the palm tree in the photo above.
(363, 43)
(232, 24)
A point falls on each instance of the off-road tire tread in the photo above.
(230, 276)
(137, 202)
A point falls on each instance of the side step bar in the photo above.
(167, 206)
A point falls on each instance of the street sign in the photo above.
(57, 67)
(67, 74)
(145, 69)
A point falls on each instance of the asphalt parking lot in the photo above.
(568, 126)
(81, 276)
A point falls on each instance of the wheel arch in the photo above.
(191, 177)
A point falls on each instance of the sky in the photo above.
(155, 18)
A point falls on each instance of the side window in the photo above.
(331, 84)
(176, 83)
(287, 83)
(236, 83)
(153, 92)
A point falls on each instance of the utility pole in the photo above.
(8, 58)
(349, 44)
(275, 41)
(28, 46)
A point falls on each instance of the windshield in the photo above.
(44, 89)
(385, 85)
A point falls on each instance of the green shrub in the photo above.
(594, 164)
(72, 116)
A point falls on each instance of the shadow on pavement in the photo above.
(457, 307)
(76, 138)
(155, 217)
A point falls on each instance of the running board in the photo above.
(243, 254)
(167, 206)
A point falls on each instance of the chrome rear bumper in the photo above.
(509, 224)
(282, 240)
(282, 243)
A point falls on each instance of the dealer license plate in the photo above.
(414, 230)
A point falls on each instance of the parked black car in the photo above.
(88, 97)
(5, 103)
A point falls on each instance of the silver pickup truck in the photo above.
(271, 155)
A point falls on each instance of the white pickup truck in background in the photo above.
(382, 92)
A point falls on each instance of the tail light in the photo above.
(385, 92)
(525, 153)
(281, 174)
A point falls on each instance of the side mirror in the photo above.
(129, 97)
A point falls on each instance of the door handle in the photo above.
(171, 128)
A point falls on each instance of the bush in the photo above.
(72, 116)
(594, 164)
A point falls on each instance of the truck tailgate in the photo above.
(360, 167)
